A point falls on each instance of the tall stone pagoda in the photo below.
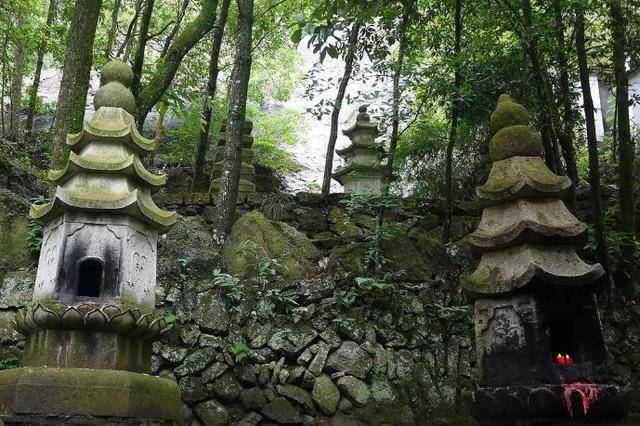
(363, 171)
(540, 350)
(90, 326)
(247, 171)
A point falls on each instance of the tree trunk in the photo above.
(531, 46)
(138, 60)
(76, 74)
(337, 106)
(395, 119)
(592, 142)
(565, 133)
(125, 47)
(453, 130)
(15, 91)
(168, 66)
(37, 73)
(176, 28)
(625, 143)
(111, 36)
(3, 91)
(204, 140)
(238, 88)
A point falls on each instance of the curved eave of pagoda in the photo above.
(522, 177)
(130, 166)
(138, 204)
(506, 271)
(357, 126)
(527, 221)
(353, 146)
(109, 123)
(344, 171)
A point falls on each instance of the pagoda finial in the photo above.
(115, 82)
(512, 135)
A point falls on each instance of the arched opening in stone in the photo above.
(90, 276)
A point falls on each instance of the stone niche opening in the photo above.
(575, 342)
(90, 277)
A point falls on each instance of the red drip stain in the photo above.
(588, 393)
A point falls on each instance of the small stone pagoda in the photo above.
(540, 350)
(247, 171)
(363, 171)
(91, 324)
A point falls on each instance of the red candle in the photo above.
(568, 359)
(559, 359)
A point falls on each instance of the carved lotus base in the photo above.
(550, 404)
(86, 396)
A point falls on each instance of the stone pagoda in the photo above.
(363, 171)
(247, 171)
(540, 350)
(90, 326)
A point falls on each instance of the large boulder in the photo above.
(255, 239)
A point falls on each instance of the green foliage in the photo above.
(240, 351)
(170, 318)
(273, 130)
(622, 248)
(231, 289)
(8, 363)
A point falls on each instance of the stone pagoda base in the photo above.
(578, 403)
(86, 396)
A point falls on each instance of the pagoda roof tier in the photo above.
(371, 168)
(355, 145)
(527, 221)
(123, 165)
(136, 203)
(112, 124)
(522, 177)
(246, 141)
(505, 271)
(360, 125)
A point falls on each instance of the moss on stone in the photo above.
(517, 140)
(116, 70)
(114, 94)
(507, 113)
(255, 239)
(522, 177)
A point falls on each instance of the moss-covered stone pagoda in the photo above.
(247, 171)
(91, 324)
(363, 171)
(540, 350)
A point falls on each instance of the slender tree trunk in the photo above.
(167, 67)
(176, 28)
(238, 88)
(397, 74)
(37, 73)
(125, 47)
(453, 129)
(531, 45)
(592, 142)
(111, 36)
(15, 92)
(337, 106)
(204, 140)
(75, 75)
(625, 143)
(3, 92)
(138, 60)
(565, 133)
